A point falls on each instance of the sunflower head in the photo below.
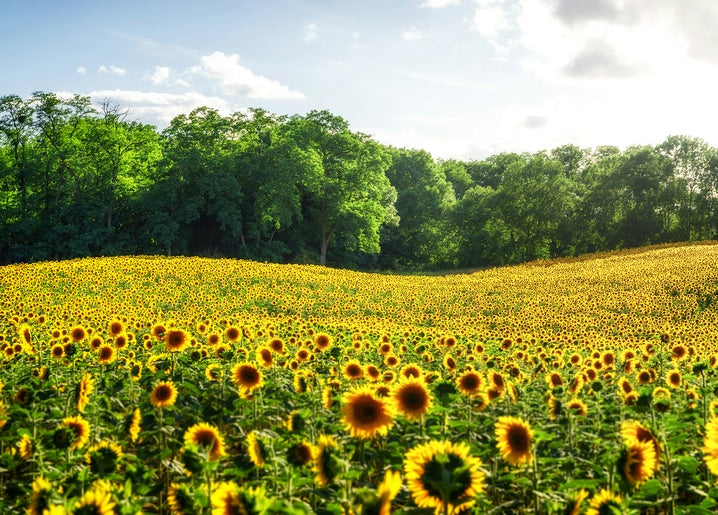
(40, 499)
(206, 437)
(257, 449)
(326, 460)
(514, 437)
(300, 454)
(247, 377)
(638, 462)
(96, 501)
(163, 395)
(104, 458)
(443, 476)
(574, 505)
(365, 415)
(176, 340)
(181, 500)
(605, 502)
(411, 398)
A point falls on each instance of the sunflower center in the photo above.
(249, 376)
(518, 440)
(470, 382)
(163, 393)
(366, 411)
(413, 398)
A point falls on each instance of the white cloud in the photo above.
(165, 75)
(115, 70)
(161, 74)
(413, 34)
(235, 79)
(81, 70)
(491, 18)
(160, 108)
(438, 4)
(311, 32)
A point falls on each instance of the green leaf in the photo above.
(687, 463)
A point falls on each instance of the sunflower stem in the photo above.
(535, 481)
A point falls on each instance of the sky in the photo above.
(461, 79)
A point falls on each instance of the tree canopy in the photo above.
(78, 180)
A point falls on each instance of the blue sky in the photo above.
(461, 79)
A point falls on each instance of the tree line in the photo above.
(77, 181)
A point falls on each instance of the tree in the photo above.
(532, 200)
(423, 193)
(352, 197)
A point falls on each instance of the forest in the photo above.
(78, 180)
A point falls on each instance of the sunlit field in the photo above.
(186, 385)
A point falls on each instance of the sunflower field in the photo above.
(190, 385)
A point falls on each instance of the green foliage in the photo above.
(76, 180)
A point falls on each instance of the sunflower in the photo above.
(372, 373)
(514, 438)
(57, 351)
(391, 360)
(387, 490)
(40, 498)
(265, 357)
(497, 382)
(229, 499)
(326, 462)
(638, 462)
(327, 397)
(180, 500)
(83, 391)
(577, 407)
(470, 383)
(554, 379)
(644, 377)
(443, 476)
(77, 431)
(213, 372)
(604, 502)
(633, 430)
(206, 436)
(105, 354)
(25, 447)
(163, 395)
(257, 449)
(295, 422)
(120, 341)
(300, 381)
(104, 458)
(247, 377)
(710, 445)
(411, 398)
(116, 327)
(322, 341)
(555, 407)
(624, 387)
(175, 340)
(78, 334)
(365, 416)
(574, 505)
(480, 402)
(300, 454)
(353, 370)
(678, 352)
(674, 378)
(96, 501)
(133, 424)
